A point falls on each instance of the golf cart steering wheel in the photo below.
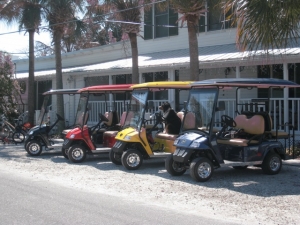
(59, 117)
(103, 118)
(228, 121)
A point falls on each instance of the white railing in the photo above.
(97, 107)
(276, 110)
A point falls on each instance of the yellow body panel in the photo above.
(163, 145)
(133, 136)
(164, 85)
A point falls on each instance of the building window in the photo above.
(157, 76)
(156, 19)
(40, 87)
(92, 81)
(122, 79)
(215, 18)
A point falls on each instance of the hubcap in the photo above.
(177, 167)
(77, 153)
(204, 170)
(133, 160)
(274, 163)
(34, 148)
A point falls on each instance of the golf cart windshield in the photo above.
(44, 109)
(82, 113)
(136, 108)
(200, 108)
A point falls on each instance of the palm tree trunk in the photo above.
(135, 55)
(31, 78)
(57, 36)
(194, 53)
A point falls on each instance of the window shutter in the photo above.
(202, 24)
(148, 27)
(173, 17)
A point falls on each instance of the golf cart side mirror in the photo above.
(185, 105)
(221, 106)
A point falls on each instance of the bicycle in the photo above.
(15, 133)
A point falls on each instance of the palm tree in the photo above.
(265, 24)
(130, 13)
(58, 13)
(191, 10)
(28, 14)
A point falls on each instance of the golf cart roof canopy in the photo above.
(246, 82)
(61, 91)
(107, 88)
(164, 85)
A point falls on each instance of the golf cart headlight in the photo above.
(31, 132)
(127, 138)
(195, 144)
(72, 136)
(176, 141)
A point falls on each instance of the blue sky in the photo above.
(17, 42)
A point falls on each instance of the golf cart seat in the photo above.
(274, 134)
(253, 127)
(164, 135)
(113, 133)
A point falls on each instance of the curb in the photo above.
(292, 162)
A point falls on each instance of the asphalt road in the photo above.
(49, 189)
(28, 201)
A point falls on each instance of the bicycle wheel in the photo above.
(18, 137)
(4, 131)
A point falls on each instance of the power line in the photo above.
(71, 21)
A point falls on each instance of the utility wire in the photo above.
(71, 21)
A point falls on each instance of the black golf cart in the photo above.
(246, 140)
(38, 137)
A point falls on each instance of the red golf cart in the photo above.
(100, 107)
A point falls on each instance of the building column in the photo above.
(286, 93)
(171, 92)
(238, 75)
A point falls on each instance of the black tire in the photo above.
(132, 159)
(240, 167)
(272, 164)
(201, 169)
(115, 158)
(174, 168)
(18, 137)
(77, 153)
(34, 148)
(64, 153)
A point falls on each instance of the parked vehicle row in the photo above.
(199, 138)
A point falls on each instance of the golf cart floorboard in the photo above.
(160, 154)
(232, 163)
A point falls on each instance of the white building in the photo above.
(164, 55)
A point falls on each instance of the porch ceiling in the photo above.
(216, 56)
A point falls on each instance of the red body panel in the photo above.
(109, 139)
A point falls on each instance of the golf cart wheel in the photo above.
(65, 153)
(240, 167)
(34, 148)
(115, 158)
(132, 159)
(18, 137)
(201, 169)
(271, 164)
(77, 153)
(174, 168)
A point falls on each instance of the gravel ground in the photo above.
(245, 197)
